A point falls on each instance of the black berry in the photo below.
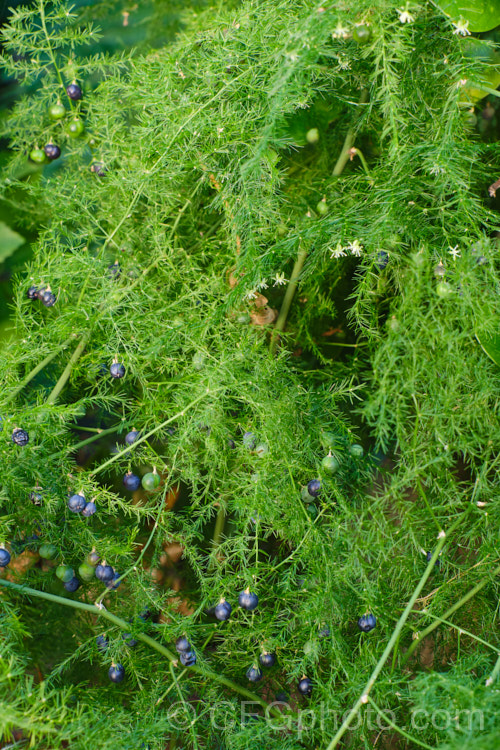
(305, 686)
(367, 623)
(248, 600)
(116, 673)
(4, 557)
(47, 298)
(254, 674)
(102, 643)
(223, 610)
(132, 436)
(187, 658)
(182, 645)
(314, 487)
(382, 259)
(20, 437)
(114, 581)
(131, 481)
(130, 640)
(89, 509)
(267, 659)
(72, 585)
(117, 370)
(52, 151)
(104, 572)
(74, 91)
(77, 503)
(32, 292)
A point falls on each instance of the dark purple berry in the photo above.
(116, 673)
(114, 581)
(314, 487)
(254, 674)
(102, 643)
(104, 572)
(77, 503)
(249, 440)
(130, 640)
(72, 585)
(187, 658)
(47, 298)
(382, 259)
(367, 623)
(74, 91)
(267, 659)
(20, 437)
(305, 686)
(182, 645)
(428, 556)
(131, 481)
(32, 292)
(52, 151)
(248, 600)
(4, 557)
(98, 168)
(132, 436)
(117, 370)
(89, 509)
(223, 610)
(36, 498)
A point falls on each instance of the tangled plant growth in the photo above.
(260, 246)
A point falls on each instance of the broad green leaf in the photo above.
(491, 345)
(482, 15)
(9, 241)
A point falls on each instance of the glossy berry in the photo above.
(47, 298)
(52, 151)
(132, 436)
(254, 674)
(267, 659)
(104, 572)
(76, 128)
(314, 487)
(86, 572)
(20, 437)
(382, 259)
(116, 673)
(444, 290)
(74, 91)
(356, 450)
(249, 440)
(150, 481)
(182, 645)
(428, 556)
(305, 686)
(114, 581)
(4, 557)
(248, 600)
(77, 503)
(361, 33)
(48, 551)
(330, 465)
(117, 370)
(65, 573)
(312, 135)
(93, 557)
(32, 292)
(89, 510)
(187, 658)
(223, 610)
(72, 585)
(322, 208)
(367, 623)
(131, 481)
(37, 156)
(57, 111)
(102, 643)
(36, 498)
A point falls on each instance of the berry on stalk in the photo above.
(20, 437)
(223, 610)
(314, 487)
(47, 298)
(72, 585)
(187, 658)
(104, 572)
(330, 465)
(116, 673)
(131, 481)
(117, 370)
(254, 674)
(57, 111)
(305, 686)
(132, 436)
(356, 450)
(150, 481)
(4, 557)
(367, 622)
(86, 572)
(52, 151)
(267, 659)
(32, 292)
(93, 558)
(76, 128)
(37, 156)
(74, 91)
(182, 645)
(248, 600)
(65, 573)
(77, 503)
(89, 509)
(48, 551)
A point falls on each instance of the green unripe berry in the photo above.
(322, 208)
(330, 465)
(306, 497)
(356, 450)
(86, 571)
(48, 551)
(37, 155)
(150, 481)
(76, 128)
(57, 111)
(361, 33)
(312, 135)
(444, 290)
(65, 573)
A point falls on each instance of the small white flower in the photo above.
(356, 248)
(454, 251)
(341, 32)
(279, 279)
(344, 63)
(462, 28)
(461, 83)
(405, 16)
(251, 294)
(262, 284)
(436, 169)
(338, 252)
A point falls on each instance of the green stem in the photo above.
(29, 377)
(496, 671)
(54, 394)
(218, 531)
(395, 726)
(51, 51)
(365, 695)
(97, 436)
(97, 611)
(357, 152)
(447, 615)
(457, 627)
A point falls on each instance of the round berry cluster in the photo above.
(42, 293)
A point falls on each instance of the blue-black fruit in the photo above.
(254, 674)
(367, 623)
(116, 673)
(223, 610)
(131, 481)
(248, 600)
